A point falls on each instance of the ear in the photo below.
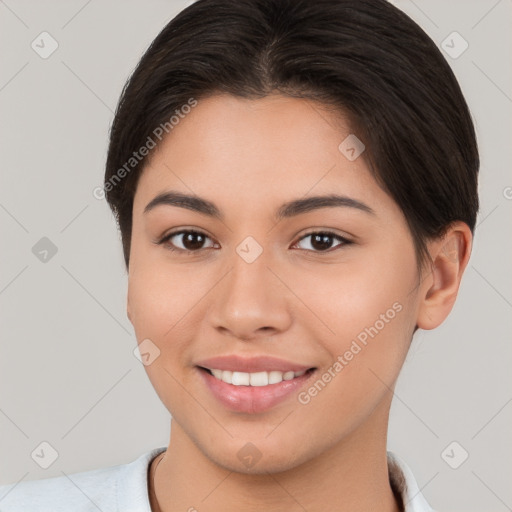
(440, 283)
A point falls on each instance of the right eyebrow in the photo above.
(195, 203)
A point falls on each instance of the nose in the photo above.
(252, 301)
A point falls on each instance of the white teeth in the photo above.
(275, 377)
(254, 379)
(240, 379)
(226, 376)
(258, 379)
(217, 373)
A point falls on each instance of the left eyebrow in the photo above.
(287, 210)
(299, 206)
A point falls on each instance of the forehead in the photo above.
(255, 152)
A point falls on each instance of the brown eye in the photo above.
(321, 241)
(194, 241)
(191, 241)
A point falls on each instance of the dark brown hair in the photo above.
(363, 58)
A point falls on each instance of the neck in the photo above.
(351, 476)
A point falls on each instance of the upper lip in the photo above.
(238, 363)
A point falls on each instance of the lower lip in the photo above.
(253, 399)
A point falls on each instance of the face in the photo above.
(265, 281)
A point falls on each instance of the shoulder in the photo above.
(78, 491)
(112, 489)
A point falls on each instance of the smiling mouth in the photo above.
(255, 379)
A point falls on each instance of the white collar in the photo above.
(402, 480)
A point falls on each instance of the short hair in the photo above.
(365, 59)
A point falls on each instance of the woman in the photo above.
(296, 187)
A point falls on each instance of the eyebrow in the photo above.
(287, 210)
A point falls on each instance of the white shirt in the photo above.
(124, 488)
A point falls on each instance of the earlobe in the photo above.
(450, 255)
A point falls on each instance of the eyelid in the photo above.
(165, 238)
(313, 231)
(332, 234)
(326, 231)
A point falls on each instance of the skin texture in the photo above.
(249, 157)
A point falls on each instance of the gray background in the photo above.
(68, 375)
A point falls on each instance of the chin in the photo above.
(266, 465)
(259, 457)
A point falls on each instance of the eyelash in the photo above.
(168, 246)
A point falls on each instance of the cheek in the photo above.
(166, 302)
(369, 310)
(155, 292)
(159, 307)
(351, 297)
(372, 334)
(151, 303)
